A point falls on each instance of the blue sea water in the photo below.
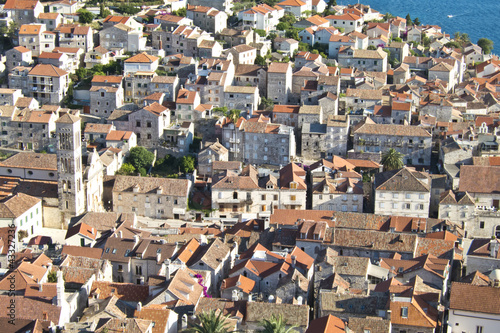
(478, 18)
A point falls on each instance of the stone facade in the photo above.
(279, 82)
(151, 197)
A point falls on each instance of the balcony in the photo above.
(234, 150)
(230, 200)
(398, 144)
(421, 145)
(234, 140)
(410, 145)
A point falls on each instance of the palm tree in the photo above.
(392, 160)
(276, 325)
(210, 322)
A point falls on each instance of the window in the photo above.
(263, 197)
(138, 270)
(137, 124)
(344, 208)
(404, 312)
(293, 197)
(395, 195)
(394, 206)
(481, 224)
(264, 208)
(408, 196)
(421, 196)
(479, 329)
(406, 206)
(381, 205)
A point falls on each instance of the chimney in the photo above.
(235, 296)
(294, 260)
(120, 234)
(136, 239)
(60, 288)
(40, 286)
(388, 315)
(250, 300)
(494, 245)
(158, 257)
(139, 306)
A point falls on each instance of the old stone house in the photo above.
(214, 152)
(106, 95)
(75, 35)
(151, 197)
(149, 123)
(35, 38)
(18, 56)
(207, 18)
(279, 82)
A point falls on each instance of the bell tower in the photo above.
(70, 188)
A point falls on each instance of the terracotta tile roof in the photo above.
(104, 221)
(68, 119)
(372, 324)
(20, 5)
(129, 325)
(278, 67)
(21, 49)
(47, 70)
(476, 279)
(185, 287)
(240, 282)
(291, 3)
(116, 19)
(482, 299)
(48, 16)
(32, 309)
(293, 314)
(186, 96)
(292, 173)
(482, 247)
(213, 254)
(174, 187)
(82, 229)
(30, 29)
(142, 58)
(26, 273)
(78, 251)
(327, 324)
(155, 109)
(124, 291)
(416, 315)
(375, 240)
(188, 251)
(228, 308)
(402, 179)
(479, 179)
(363, 163)
(427, 262)
(98, 128)
(119, 135)
(16, 205)
(107, 79)
(159, 317)
(438, 247)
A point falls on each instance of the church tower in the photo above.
(69, 166)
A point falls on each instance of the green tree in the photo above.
(210, 322)
(486, 44)
(52, 277)
(392, 160)
(186, 163)
(126, 169)
(276, 324)
(266, 103)
(408, 20)
(371, 47)
(140, 157)
(388, 16)
(233, 114)
(282, 26)
(397, 39)
(260, 60)
(85, 16)
(292, 33)
(332, 3)
(261, 32)
(416, 21)
(453, 44)
(461, 38)
(180, 12)
(128, 9)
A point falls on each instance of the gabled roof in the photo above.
(467, 297)
(142, 58)
(47, 70)
(240, 282)
(327, 324)
(402, 179)
(20, 4)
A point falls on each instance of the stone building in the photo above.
(69, 166)
(75, 35)
(47, 83)
(251, 195)
(337, 128)
(279, 82)
(23, 12)
(137, 85)
(314, 141)
(206, 157)
(366, 60)
(36, 39)
(253, 75)
(258, 142)
(414, 142)
(106, 95)
(207, 18)
(151, 197)
(18, 56)
(149, 123)
(402, 192)
(169, 85)
(246, 99)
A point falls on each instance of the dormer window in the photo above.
(293, 185)
(404, 312)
